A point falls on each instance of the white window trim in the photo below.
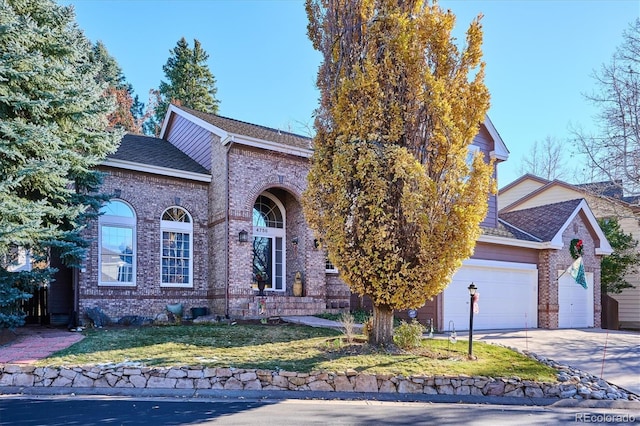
(121, 222)
(183, 227)
(260, 231)
(333, 270)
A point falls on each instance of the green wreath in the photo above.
(576, 247)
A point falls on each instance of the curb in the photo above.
(257, 395)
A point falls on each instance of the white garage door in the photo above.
(576, 302)
(508, 296)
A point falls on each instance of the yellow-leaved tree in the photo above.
(390, 192)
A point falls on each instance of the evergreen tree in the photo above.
(53, 132)
(190, 82)
(622, 262)
(390, 193)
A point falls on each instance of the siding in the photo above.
(554, 194)
(517, 192)
(505, 253)
(484, 141)
(629, 299)
(191, 139)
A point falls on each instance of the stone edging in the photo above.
(133, 376)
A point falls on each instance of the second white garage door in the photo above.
(508, 296)
(576, 302)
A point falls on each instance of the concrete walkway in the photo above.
(609, 354)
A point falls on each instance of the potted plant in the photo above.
(261, 279)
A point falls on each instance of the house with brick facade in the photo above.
(607, 200)
(208, 215)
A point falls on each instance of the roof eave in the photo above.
(505, 241)
(500, 150)
(265, 144)
(227, 137)
(604, 248)
(157, 170)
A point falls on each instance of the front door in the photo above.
(268, 242)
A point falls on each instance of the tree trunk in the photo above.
(382, 332)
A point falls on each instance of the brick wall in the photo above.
(149, 195)
(252, 172)
(552, 261)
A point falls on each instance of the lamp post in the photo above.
(472, 292)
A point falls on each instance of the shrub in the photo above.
(347, 321)
(408, 336)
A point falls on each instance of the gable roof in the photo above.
(544, 222)
(521, 179)
(266, 137)
(500, 150)
(548, 222)
(153, 155)
(607, 190)
(236, 131)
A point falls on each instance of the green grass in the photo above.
(360, 316)
(288, 347)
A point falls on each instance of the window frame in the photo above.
(327, 262)
(177, 227)
(276, 234)
(122, 222)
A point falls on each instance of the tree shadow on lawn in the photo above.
(284, 347)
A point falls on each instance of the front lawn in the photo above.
(288, 347)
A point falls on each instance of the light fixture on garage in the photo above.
(472, 293)
(243, 236)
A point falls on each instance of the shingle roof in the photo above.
(543, 222)
(508, 231)
(252, 130)
(155, 152)
(609, 188)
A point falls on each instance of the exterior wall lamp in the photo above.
(243, 236)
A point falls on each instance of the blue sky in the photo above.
(540, 56)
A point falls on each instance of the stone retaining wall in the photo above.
(132, 376)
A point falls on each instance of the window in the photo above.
(269, 264)
(328, 266)
(176, 254)
(117, 255)
(472, 150)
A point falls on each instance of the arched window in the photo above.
(176, 269)
(269, 259)
(266, 213)
(117, 248)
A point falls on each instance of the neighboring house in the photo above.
(605, 199)
(204, 213)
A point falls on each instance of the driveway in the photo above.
(609, 354)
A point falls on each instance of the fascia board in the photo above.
(195, 120)
(492, 239)
(604, 248)
(264, 144)
(164, 171)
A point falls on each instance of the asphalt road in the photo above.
(89, 411)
